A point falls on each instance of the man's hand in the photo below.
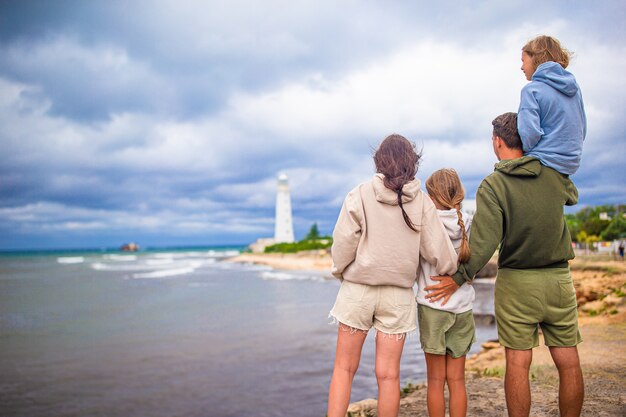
(444, 289)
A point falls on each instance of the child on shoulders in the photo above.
(551, 118)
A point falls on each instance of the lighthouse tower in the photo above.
(283, 228)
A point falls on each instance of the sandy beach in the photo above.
(600, 286)
(311, 260)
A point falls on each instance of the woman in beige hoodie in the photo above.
(384, 227)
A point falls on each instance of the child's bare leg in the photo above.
(436, 376)
(347, 357)
(388, 353)
(455, 377)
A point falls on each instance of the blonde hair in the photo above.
(546, 48)
(445, 188)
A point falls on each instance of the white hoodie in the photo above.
(463, 298)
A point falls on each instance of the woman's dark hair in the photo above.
(397, 159)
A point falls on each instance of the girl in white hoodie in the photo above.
(385, 226)
(446, 327)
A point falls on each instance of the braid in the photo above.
(445, 188)
(464, 251)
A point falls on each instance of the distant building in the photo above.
(260, 244)
(283, 226)
(283, 222)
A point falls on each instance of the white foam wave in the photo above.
(71, 260)
(151, 265)
(286, 276)
(121, 258)
(164, 274)
(223, 254)
(101, 266)
(161, 261)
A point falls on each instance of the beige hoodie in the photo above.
(373, 245)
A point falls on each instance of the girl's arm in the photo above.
(528, 120)
(346, 235)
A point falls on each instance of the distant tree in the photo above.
(314, 233)
(574, 226)
(591, 239)
(616, 228)
(588, 240)
(595, 226)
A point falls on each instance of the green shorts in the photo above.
(443, 332)
(527, 299)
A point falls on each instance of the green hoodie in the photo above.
(520, 207)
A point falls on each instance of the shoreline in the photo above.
(601, 293)
(305, 261)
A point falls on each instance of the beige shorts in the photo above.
(387, 308)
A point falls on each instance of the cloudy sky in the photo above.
(167, 122)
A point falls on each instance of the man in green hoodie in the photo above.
(520, 208)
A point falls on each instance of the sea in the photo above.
(176, 332)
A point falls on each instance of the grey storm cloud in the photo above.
(170, 120)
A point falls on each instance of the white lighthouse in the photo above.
(283, 228)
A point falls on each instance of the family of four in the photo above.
(390, 235)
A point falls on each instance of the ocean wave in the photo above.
(160, 261)
(242, 266)
(71, 260)
(286, 276)
(120, 258)
(154, 265)
(223, 254)
(102, 266)
(164, 273)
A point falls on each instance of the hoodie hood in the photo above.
(387, 196)
(450, 221)
(526, 166)
(557, 77)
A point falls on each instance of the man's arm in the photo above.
(486, 233)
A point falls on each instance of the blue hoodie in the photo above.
(551, 118)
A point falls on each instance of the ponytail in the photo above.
(406, 217)
(397, 159)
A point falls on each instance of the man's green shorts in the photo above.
(443, 332)
(527, 299)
